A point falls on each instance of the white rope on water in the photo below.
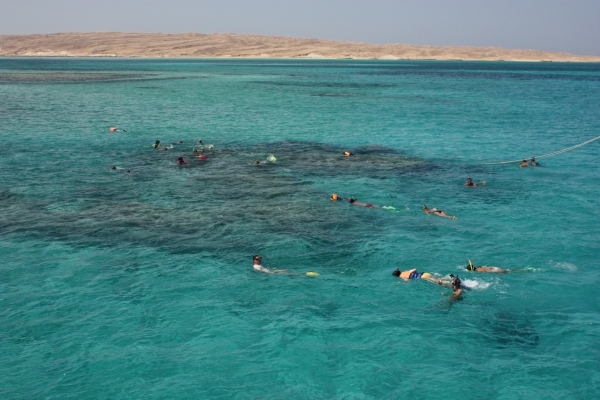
(549, 154)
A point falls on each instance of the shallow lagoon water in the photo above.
(139, 285)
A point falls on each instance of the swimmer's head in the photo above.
(455, 282)
(157, 142)
(180, 159)
(351, 199)
(396, 272)
(257, 259)
(112, 167)
(257, 162)
(470, 267)
(334, 196)
(200, 141)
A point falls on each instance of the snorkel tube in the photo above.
(470, 267)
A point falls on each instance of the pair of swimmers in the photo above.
(454, 283)
(114, 168)
(533, 162)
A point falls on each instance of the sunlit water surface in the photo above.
(140, 285)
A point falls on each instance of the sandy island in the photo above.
(195, 45)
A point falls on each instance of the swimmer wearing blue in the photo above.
(414, 274)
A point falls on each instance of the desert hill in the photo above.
(117, 44)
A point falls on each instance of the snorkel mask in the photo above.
(470, 267)
(455, 281)
(396, 272)
(257, 257)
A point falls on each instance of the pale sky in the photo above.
(567, 25)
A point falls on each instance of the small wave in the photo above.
(473, 284)
(564, 265)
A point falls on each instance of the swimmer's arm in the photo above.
(444, 284)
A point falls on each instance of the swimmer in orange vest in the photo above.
(413, 274)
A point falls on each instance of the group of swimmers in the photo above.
(452, 281)
(180, 160)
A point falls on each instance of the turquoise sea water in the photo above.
(140, 285)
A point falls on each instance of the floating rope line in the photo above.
(549, 154)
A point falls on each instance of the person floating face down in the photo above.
(348, 154)
(435, 211)
(485, 268)
(413, 274)
(352, 200)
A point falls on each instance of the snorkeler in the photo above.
(484, 268)
(352, 200)
(113, 129)
(470, 182)
(256, 162)
(456, 287)
(112, 167)
(348, 154)
(413, 274)
(177, 143)
(180, 161)
(258, 267)
(199, 141)
(158, 146)
(534, 163)
(437, 212)
(524, 163)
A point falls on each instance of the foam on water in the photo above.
(140, 285)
